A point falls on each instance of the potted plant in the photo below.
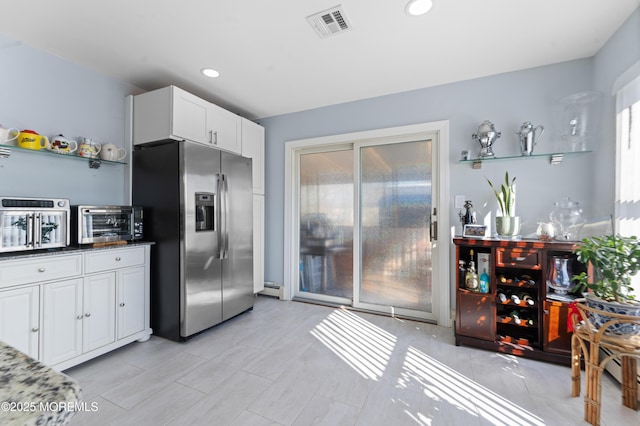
(507, 224)
(615, 260)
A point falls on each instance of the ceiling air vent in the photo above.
(329, 22)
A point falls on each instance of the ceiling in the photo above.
(272, 62)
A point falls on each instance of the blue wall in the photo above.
(507, 100)
(620, 53)
(50, 95)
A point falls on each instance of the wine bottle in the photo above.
(471, 278)
(527, 318)
(515, 316)
(527, 299)
(515, 299)
(462, 272)
(502, 297)
(484, 281)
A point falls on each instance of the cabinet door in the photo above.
(131, 301)
(99, 301)
(224, 128)
(190, 117)
(62, 321)
(253, 147)
(475, 315)
(557, 337)
(258, 243)
(19, 319)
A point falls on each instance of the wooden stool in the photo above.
(587, 342)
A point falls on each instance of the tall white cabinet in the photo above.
(253, 147)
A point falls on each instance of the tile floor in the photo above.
(291, 363)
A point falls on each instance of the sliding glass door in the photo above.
(394, 192)
(364, 213)
(325, 200)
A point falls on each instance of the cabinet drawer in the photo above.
(36, 269)
(113, 259)
(518, 258)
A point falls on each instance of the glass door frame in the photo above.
(441, 247)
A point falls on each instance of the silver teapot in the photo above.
(486, 136)
(527, 136)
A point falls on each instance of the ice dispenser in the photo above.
(204, 211)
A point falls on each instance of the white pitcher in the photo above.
(8, 135)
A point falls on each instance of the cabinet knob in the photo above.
(35, 329)
(41, 269)
(122, 304)
(79, 317)
(88, 314)
(118, 259)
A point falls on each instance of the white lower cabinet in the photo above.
(78, 318)
(20, 319)
(131, 302)
(99, 319)
(62, 321)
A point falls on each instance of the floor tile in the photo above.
(326, 412)
(226, 403)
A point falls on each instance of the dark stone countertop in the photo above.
(74, 249)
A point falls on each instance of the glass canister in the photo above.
(559, 274)
(567, 214)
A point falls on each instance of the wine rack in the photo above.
(516, 315)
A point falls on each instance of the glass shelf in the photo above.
(554, 158)
(94, 163)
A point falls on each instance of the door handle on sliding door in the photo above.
(434, 225)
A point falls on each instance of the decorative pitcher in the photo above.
(527, 136)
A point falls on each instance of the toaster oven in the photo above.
(33, 223)
(99, 224)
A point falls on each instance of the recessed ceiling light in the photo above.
(418, 7)
(210, 72)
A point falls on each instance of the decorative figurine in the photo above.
(469, 217)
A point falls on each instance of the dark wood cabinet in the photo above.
(518, 315)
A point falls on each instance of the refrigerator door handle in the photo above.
(225, 212)
(218, 215)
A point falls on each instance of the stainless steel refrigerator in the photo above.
(198, 211)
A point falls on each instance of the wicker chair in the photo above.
(587, 342)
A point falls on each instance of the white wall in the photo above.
(50, 95)
(507, 100)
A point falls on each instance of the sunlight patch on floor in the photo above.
(362, 345)
(444, 384)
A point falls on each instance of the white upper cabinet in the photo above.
(224, 129)
(253, 147)
(172, 113)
